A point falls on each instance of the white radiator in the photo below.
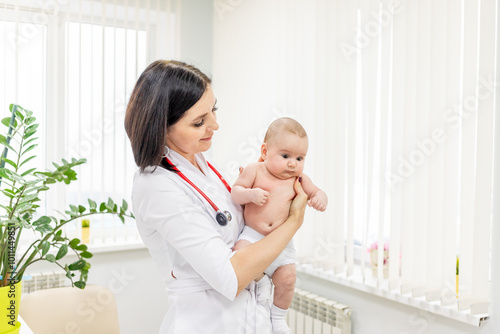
(41, 281)
(313, 314)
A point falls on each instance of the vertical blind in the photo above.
(398, 101)
(74, 63)
(426, 99)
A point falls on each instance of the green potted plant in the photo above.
(20, 191)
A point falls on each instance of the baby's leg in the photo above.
(284, 286)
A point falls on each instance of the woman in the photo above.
(170, 121)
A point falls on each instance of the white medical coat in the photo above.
(192, 251)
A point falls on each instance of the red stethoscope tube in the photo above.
(221, 217)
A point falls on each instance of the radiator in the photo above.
(313, 314)
(41, 281)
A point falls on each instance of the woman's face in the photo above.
(193, 133)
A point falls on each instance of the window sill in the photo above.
(109, 246)
(115, 246)
(371, 287)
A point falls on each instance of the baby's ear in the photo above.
(263, 153)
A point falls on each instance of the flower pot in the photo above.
(15, 330)
(10, 297)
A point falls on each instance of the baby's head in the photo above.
(285, 148)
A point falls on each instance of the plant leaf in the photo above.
(43, 229)
(7, 193)
(6, 173)
(58, 236)
(74, 242)
(73, 208)
(7, 208)
(26, 160)
(70, 174)
(32, 126)
(81, 248)
(43, 220)
(63, 250)
(77, 265)
(6, 122)
(24, 207)
(30, 130)
(42, 225)
(69, 274)
(92, 205)
(30, 140)
(19, 114)
(50, 258)
(29, 171)
(86, 255)
(10, 162)
(30, 119)
(80, 284)
(9, 147)
(45, 246)
(29, 149)
(124, 205)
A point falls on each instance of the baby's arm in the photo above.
(242, 191)
(317, 197)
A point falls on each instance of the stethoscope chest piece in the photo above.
(223, 217)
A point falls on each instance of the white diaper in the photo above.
(287, 256)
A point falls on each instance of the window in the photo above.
(75, 64)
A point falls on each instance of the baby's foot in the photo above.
(280, 327)
(278, 321)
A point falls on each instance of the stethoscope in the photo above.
(222, 217)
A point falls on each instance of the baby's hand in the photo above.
(259, 196)
(317, 203)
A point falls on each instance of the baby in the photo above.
(266, 189)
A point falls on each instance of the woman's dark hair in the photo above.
(161, 96)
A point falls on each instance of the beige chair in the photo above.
(71, 310)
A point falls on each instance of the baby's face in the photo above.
(285, 156)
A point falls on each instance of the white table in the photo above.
(25, 329)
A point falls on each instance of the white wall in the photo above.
(197, 33)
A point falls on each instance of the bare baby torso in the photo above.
(274, 212)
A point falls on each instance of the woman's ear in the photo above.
(263, 152)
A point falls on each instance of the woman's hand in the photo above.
(298, 206)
